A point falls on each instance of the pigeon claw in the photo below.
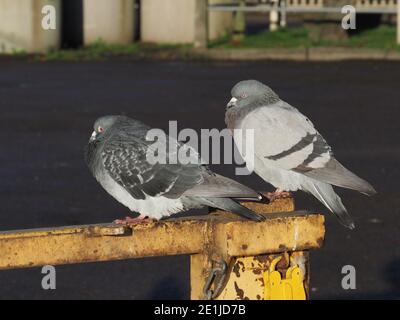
(278, 194)
(130, 220)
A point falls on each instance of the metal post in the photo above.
(239, 23)
(251, 274)
(398, 21)
(274, 17)
(283, 20)
(201, 24)
(248, 278)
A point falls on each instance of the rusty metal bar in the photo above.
(249, 249)
(78, 244)
(65, 245)
(246, 275)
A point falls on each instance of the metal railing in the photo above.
(220, 245)
(307, 6)
(313, 6)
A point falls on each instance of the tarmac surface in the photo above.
(47, 113)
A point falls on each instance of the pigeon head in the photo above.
(251, 92)
(103, 124)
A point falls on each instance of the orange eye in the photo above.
(100, 129)
(243, 95)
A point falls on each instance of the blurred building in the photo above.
(81, 22)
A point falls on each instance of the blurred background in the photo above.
(199, 23)
(161, 60)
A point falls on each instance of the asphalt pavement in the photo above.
(47, 113)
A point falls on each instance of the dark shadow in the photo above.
(171, 288)
(72, 23)
(136, 20)
(256, 23)
(391, 276)
(366, 21)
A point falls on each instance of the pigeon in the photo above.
(289, 152)
(116, 155)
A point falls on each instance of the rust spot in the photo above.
(320, 242)
(282, 264)
(261, 259)
(236, 269)
(282, 247)
(258, 297)
(239, 292)
(257, 271)
(308, 245)
(244, 246)
(240, 267)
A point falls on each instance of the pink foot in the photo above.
(278, 194)
(128, 220)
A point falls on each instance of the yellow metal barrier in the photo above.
(231, 258)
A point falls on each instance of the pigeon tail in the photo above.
(325, 193)
(335, 173)
(231, 205)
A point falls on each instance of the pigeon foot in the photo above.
(278, 194)
(129, 220)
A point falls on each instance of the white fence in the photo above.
(377, 3)
(311, 6)
(358, 4)
(305, 3)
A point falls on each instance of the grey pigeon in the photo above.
(116, 155)
(289, 152)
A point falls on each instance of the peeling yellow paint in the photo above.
(247, 246)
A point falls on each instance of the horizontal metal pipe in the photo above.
(267, 8)
(228, 234)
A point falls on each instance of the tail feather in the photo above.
(231, 205)
(335, 173)
(325, 193)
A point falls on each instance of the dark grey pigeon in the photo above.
(116, 155)
(289, 152)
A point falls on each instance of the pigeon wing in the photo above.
(124, 158)
(286, 139)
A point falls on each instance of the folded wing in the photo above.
(286, 139)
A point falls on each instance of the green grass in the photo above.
(283, 38)
(96, 51)
(101, 51)
(383, 37)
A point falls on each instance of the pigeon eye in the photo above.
(243, 96)
(100, 129)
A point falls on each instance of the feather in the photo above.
(325, 193)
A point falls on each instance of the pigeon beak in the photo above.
(93, 136)
(231, 103)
